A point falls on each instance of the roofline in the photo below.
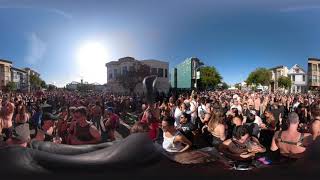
(17, 69)
(7, 61)
(278, 67)
(313, 59)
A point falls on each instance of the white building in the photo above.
(123, 65)
(276, 73)
(20, 78)
(299, 79)
(29, 73)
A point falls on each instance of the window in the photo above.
(160, 72)
(115, 72)
(131, 68)
(304, 78)
(124, 70)
(154, 71)
(166, 73)
(110, 76)
(314, 78)
(293, 78)
(314, 67)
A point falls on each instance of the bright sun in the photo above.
(91, 58)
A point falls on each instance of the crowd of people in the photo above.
(241, 125)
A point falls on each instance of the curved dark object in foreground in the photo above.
(132, 152)
(138, 156)
(149, 84)
(64, 149)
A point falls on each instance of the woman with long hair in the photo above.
(22, 115)
(216, 127)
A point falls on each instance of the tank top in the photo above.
(83, 133)
(169, 145)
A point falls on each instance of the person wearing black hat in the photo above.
(46, 131)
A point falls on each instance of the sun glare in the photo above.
(91, 58)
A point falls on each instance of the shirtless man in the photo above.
(291, 143)
(6, 115)
(315, 127)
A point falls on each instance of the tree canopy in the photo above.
(209, 77)
(284, 82)
(35, 81)
(260, 76)
(11, 86)
(134, 76)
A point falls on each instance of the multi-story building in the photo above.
(299, 79)
(185, 75)
(314, 73)
(123, 65)
(20, 78)
(5, 72)
(276, 73)
(29, 73)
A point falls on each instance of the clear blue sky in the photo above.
(235, 36)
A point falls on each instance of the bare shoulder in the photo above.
(227, 142)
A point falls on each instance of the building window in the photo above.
(115, 72)
(314, 78)
(131, 68)
(304, 78)
(160, 72)
(166, 73)
(314, 67)
(293, 78)
(110, 76)
(154, 71)
(124, 70)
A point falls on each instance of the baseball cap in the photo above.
(21, 132)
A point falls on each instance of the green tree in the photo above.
(51, 87)
(134, 76)
(284, 82)
(43, 84)
(11, 86)
(35, 81)
(259, 76)
(225, 85)
(209, 77)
